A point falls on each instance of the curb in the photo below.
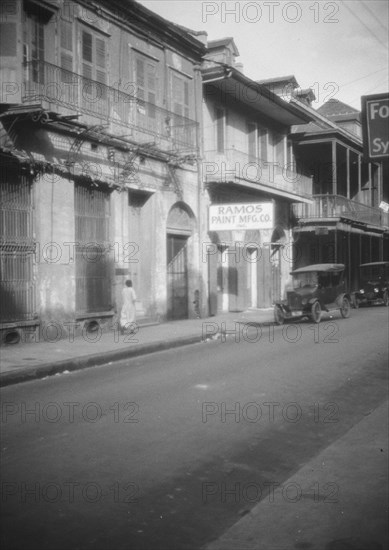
(94, 360)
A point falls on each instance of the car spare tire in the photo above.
(316, 312)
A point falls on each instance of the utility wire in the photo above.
(363, 23)
(362, 77)
(382, 82)
(373, 15)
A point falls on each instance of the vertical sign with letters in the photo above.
(375, 126)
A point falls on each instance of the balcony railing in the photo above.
(46, 82)
(234, 165)
(335, 206)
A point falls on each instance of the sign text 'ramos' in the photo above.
(241, 216)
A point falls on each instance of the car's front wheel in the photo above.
(316, 312)
(279, 317)
(386, 298)
(345, 308)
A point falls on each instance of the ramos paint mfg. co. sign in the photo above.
(375, 125)
(241, 216)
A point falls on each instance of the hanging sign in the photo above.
(241, 216)
(375, 126)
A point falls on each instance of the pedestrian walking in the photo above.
(128, 312)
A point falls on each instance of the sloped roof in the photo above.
(322, 124)
(223, 42)
(153, 25)
(333, 108)
(279, 80)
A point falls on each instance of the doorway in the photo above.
(179, 229)
(177, 276)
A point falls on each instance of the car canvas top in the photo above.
(319, 267)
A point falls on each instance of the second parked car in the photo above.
(374, 284)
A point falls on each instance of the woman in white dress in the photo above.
(127, 316)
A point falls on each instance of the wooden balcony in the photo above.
(335, 206)
(238, 167)
(123, 113)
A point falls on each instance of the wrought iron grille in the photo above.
(93, 266)
(47, 82)
(17, 248)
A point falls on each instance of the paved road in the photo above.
(147, 454)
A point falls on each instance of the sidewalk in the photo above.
(336, 501)
(28, 361)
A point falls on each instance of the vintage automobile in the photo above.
(314, 289)
(374, 284)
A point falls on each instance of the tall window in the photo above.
(181, 98)
(94, 59)
(220, 130)
(252, 141)
(290, 161)
(34, 46)
(146, 86)
(262, 144)
(66, 44)
(277, 143)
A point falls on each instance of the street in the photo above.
(168, 451)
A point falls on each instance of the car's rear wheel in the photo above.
(316, 312)
(279, 317)
(345, 308)
(386, 298)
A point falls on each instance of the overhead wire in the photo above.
(373, 15)
(365, 76)
(364, 25)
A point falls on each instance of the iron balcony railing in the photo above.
(336, 206)
(46, 82)
(235, 165)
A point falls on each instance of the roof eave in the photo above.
(219, 74)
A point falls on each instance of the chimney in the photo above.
(306, 96)
(202, 36)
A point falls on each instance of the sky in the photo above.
(338, 48)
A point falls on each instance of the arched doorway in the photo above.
(179, 229)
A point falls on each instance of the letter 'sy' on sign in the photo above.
(375, 126)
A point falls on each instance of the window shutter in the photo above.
(140, 73)
(87, 71)
(252, 141)
(66, 44)
(186, 99)
(87, 46)
(100, 53)
(262, 144)
(94, 58)
(220, 130)
(181, 96)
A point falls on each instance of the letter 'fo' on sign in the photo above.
(375, 125)
(255, 215)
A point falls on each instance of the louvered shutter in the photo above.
(177, 95)
(100, 61)
(66, 51)
(87, 57)
(220, 130)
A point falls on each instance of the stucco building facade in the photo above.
(100, 114)
(248, 162)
